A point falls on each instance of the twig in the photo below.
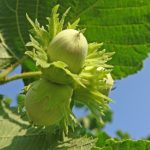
(4, 74)
(20, 76)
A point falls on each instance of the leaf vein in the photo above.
(88, 8)
(9, 7)
(115, 25)
(17, 23)
(121, 8)
(37, 8)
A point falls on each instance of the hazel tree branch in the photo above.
(4, 74)
(20, 76)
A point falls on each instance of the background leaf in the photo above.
(5, 58)
(125, 145)
(105, 142)
(123, 26)
(83, 143)
(14, 25)
(16, 133)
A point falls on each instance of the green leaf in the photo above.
(14, 25)
(16, 133)
(126, 145)
(122, 135)
(92, 124)
(123, 26)
(102, 137)
(5, 58)
(84, 143)
(105, 142)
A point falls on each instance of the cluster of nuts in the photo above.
(46, 101)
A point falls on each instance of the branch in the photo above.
(4, 74)
(21, 76)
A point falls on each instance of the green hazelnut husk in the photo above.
(69, 46)
(47, 103)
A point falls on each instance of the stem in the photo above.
(20, 76)
(10, 69)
